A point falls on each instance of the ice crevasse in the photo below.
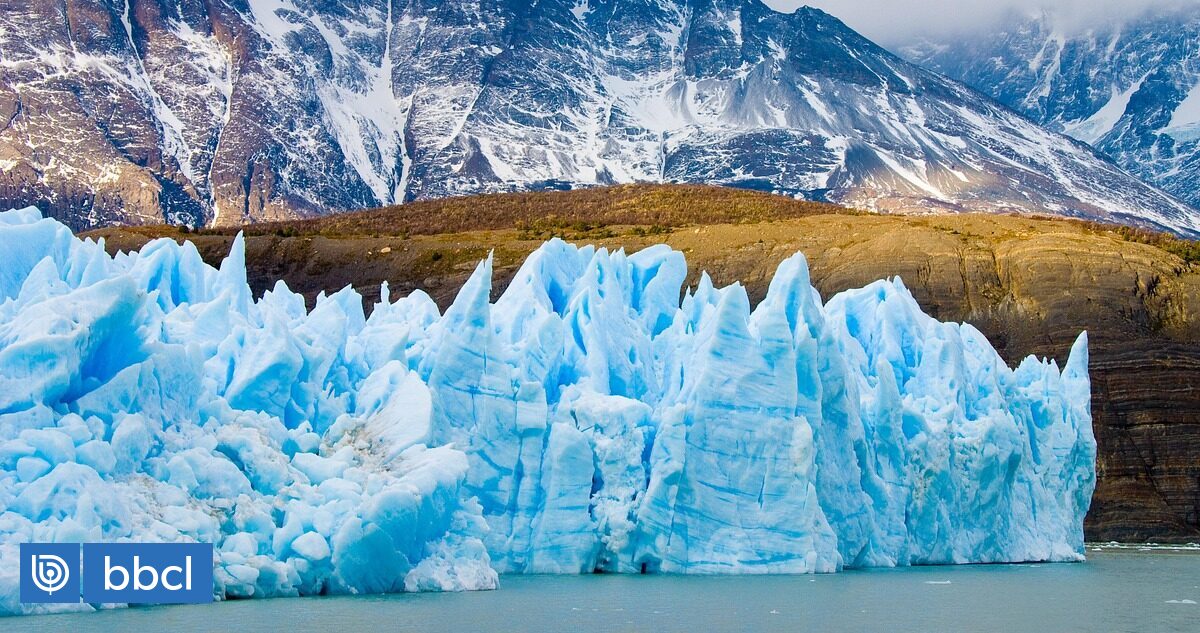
(587, 420)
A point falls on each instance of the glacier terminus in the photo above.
(600, 415)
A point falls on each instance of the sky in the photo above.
(901, 21)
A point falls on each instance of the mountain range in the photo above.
(222, 112)
(1130, 88)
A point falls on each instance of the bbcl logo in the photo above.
(49, 572)
(133, 573)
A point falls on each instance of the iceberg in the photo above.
(598, 416)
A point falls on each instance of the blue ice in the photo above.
(590, 419)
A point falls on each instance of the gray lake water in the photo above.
(1137, 591)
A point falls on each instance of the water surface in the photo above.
(1127, 590)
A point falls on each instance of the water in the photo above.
(1114, 591)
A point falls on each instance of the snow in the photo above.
(580, 10)
(653, 102)
(1094, 128)
(174, 142)
(1047, 71)
(402, 102)
(587, 420)
(359, 106)
(734, 23)
(812, 98)
(215, 63)
(918, 181)
(269, 18)
(1185, 120)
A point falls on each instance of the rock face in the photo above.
(1029, 285)
(1132, 90)
(128, 111)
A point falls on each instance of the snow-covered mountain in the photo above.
(1131, 89)
(226, 111)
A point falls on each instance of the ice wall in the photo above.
(147, 397)
(587, 420)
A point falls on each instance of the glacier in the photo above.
(600, 415)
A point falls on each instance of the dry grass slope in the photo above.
(581, 209)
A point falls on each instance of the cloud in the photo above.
(900, 21)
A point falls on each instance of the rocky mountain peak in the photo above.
(249, 110)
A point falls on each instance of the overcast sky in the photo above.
(898, 21)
